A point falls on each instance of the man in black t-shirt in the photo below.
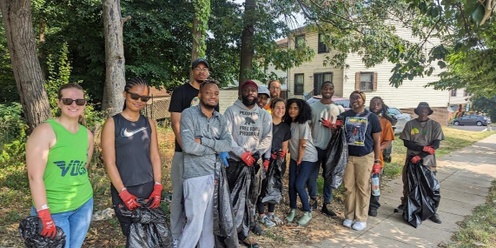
(183, 97)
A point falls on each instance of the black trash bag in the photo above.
(245, 185)
(29, 229)
(423, 194)
(149, 228)
(273, 191)
(337, 158)
(257, 177)
(225, 231)
(240, 191)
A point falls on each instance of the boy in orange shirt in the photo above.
(378, 107)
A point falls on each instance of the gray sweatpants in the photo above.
(177, 217)
(198, 205)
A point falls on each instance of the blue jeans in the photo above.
(298, 178)
(75, 223)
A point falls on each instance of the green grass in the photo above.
(479, 229)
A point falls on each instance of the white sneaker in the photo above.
(275, 219)
(359, 225)
(267, 221)
(347, 223)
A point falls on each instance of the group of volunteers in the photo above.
(244, 143)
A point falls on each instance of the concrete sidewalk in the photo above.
(465, 177)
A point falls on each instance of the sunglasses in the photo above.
(135, 96)
(69, 101)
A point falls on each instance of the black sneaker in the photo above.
(313, 204)
(435, 218)
(327, 212)
(373, 212)
(257, 230)
(399, 209)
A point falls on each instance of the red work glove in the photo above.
(128, 199)
(429, 150)
(326, 123)
(376, 168)
(155, 196)
(338, 124)
(266, 165)
(415, 159)
(49, 229)
(247, 157)
(282, 154)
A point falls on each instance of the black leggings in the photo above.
(260, 205)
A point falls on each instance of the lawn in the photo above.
(15, 195)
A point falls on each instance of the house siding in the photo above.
(407, 95)
(315, 66)
(227, 97)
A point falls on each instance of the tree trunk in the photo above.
(18, 25)
(115, 70)
(200, 26)
(247, 50)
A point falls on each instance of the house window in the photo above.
(453, 92)
(465, 93)
(319, 79)
(300, 41)
(322, 46)
(298, 83)
(366, 81)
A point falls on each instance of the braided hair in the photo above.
(130, 83)
(384, 110)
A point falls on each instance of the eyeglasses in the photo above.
(198, 69)
(69, 101)
(135, 97)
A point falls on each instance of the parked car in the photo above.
(345, 102)
(401, 118)
(478, 120)
(399, 121)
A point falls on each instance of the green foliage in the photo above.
(485, 105)
(12, 125)
(202, 14)
(7, 81)
(13, 130)
(59, 72)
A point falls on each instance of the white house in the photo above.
(308, 77)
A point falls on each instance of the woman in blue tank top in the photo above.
(130, 153)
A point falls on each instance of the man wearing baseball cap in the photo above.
(251, 130)
(182, 98)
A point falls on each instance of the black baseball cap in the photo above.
(195, 63)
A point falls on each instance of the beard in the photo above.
(248, 103)
(208, 105)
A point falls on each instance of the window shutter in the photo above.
(357, 80)
(374, 82)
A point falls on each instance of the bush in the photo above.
(13, 129)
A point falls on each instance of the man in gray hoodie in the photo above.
(251, 130)
(204, 135)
